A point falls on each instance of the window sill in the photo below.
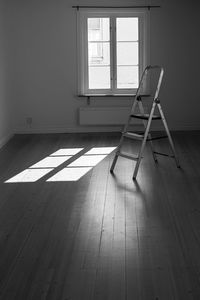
(88, 96)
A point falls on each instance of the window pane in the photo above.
(99, 77)
(127, 29)
(127, 53)
(99, 53)
(127, 77)
(98, 29)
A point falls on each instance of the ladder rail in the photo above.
(169, 135)
(145, 124)
(117, 151)
(138, 90)
(144, 141)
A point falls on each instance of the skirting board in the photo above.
(4, 140)
(71, 128)
(93, 128)
(66, 129)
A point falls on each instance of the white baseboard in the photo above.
(4, 140)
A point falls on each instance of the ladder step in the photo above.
(127, 155)
(145, 117)
(157, 138)
(133, 135)
(163, 154)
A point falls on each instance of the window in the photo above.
(112, 50)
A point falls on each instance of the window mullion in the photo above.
(112, 54)
(86, 67)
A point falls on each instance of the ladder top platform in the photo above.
(145, 116)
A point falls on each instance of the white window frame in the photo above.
(82, 46)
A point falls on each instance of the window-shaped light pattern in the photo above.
(72, 172)
(44, 166)
(98, 53)
(79, 167)
(127, 44)
(29, 175)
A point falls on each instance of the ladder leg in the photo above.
(114, 163)
(143, 142)
(116, 154)
(119, 146)
(122, 136)
(145, 124)
(153, 150)
(169, 136)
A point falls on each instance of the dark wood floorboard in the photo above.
(102, 237)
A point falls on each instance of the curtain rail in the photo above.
(136, 6)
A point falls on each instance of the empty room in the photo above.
(99, 150)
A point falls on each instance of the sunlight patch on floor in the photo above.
(87, 161)
(66, 151)
(70, 174)
(100, 150)
(73, 172)
(44, 166)
(29, 175)
(51, 162)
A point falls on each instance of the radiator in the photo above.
(103, 115)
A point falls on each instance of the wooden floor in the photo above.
(100, 237)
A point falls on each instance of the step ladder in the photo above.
(150, 73)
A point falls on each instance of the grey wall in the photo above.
(5, 112)
(42, 63)
(175, 45)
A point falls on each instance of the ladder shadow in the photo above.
(135, 188)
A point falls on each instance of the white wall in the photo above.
(5, 117)
(42, 63)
